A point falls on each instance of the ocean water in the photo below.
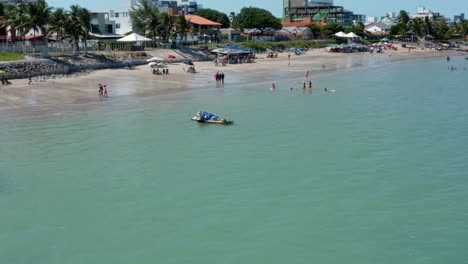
(376, 172)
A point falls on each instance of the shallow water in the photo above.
(373, 173)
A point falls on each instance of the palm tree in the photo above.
(57, 24)
(34, 16)
(166, 26)
(145, 19)
(182, 27)
(78, 26)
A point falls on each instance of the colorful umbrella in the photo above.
(170, 56)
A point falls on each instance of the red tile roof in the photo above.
(198, 20)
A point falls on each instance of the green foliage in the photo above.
(263, 46)
(10, 56)
(358, 29)
(256, 18)
(145, 18)
(214, 15)
(330, 29)
(316, 30)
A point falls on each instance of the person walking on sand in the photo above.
(101, 91)
(222, 77)
(307, 75)
(289, 56)
(216, 76)
(104, 95)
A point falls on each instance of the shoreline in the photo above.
(49, 97)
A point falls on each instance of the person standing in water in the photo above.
(310, 85)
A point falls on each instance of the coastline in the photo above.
(50, 96)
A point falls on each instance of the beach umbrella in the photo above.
(188, 63)
(154, 59)
(152, 64)
(341, 34)
(162, 65)
(352, 35)
(384, 39)
(133, 38)
(170, 56)
(2, 72)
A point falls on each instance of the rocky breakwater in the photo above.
(61, 66)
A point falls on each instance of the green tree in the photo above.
(357, 28)
(145, 19)
(418, 27)
(182, 28)
(428, 26)
(330, 29)
(214, 15)
(57, 24)
(78, 26)
(316, 30)
(257, 18)
(441, 30)
(403, 17)
(166, 26)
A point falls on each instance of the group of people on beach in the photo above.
(158, 72)
(219, 77)
(102, 91)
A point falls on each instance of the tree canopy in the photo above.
(256, 18)
(214, 15)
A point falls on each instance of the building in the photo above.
(294, 33)
(308, 11)
(459, 18)
(372, 19)
(122, 19)
(102, 26)
(424, 12)
(359, 19)
(17, 1)
(377, 28)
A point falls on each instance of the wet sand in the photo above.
(50, 96)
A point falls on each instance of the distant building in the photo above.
(122, 19)
(459, 18)
(372, 19)
(424, 12)
(377, 28)
(102, 26)
(294, 33)
(17, 1)
(357, 18)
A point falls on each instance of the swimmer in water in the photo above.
(273, 87)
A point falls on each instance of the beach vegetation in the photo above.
(329, 30)
(284, 45)
(214, 15)
(10, 56)
(256, 18)
(145, 19)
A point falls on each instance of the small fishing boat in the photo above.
(205, 117)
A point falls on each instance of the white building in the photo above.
(372, 19)
(423, 13)
(122, 19)
(377, 28)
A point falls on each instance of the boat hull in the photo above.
(218, 121)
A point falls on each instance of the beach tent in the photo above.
(341, 34)
(352, 35)
(133, 38)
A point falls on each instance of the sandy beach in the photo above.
(52, 96)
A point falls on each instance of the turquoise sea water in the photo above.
(373, 173)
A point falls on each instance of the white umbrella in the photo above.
(352, 35)
(341, 34)
(152, 64)
(133, 38)
(154, 59)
